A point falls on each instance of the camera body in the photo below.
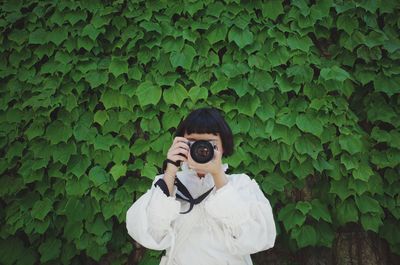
(202, 151)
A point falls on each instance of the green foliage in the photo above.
(92, 92)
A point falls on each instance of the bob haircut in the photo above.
(208, 120)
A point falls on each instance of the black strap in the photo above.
(166, 161)
(163, 186)
(188, 196)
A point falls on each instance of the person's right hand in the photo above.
(178, 151)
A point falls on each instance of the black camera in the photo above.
(202, 151)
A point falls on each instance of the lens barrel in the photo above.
(202, 151)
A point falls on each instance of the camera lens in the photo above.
(202, 151)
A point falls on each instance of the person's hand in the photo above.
(178, 151)
(214, 166)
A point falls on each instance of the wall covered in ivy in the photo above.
(92, 91)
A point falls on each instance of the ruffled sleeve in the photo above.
(149, 219)
(244, 214)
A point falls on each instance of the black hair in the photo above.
(208, 120)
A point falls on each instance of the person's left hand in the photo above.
(214, 167)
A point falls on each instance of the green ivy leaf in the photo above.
(91, 31)
(96, 251)
(291, 217)
(18, 36)
(103, 142)
(77, 187)
(85, 43)
(326, 234)
(334, 73)
(39, 36)
(114, 99)
(347, 23)
(140, 146)
(371, 222)
(308, 144)
(363, 172)
(240, 85)
(118, 171)
(175, 95)
(100, 117)
(78, 164)
(278, 56)
(340, 188)
(73, 230)
(347, 212)
(217, 33)
(240, 37)
(266, 112)
(63, 151)
(309, 123)
(149, 171)
(98, 175)
(148, 93)
(301, 169)
(320, 211)
(388, 85)
(35, 129)
(58, 132)
(150, 125)
(75, 209)
(248, 104)
(351, 143)
(96, 78)
(274, 182)
(305, 236)
(41, 208)
(233, 70)
(170, 119)
(197, 93)
(50, 249)
(118, 66)
(366, 204)
(261, 80)
(57, 36)
(219, 85)
(238, 157)
(300, 43)
(303, 206)
(183, 58)
(272, 9)
(286, 85)
(98, 227)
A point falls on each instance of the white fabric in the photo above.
(225, 228)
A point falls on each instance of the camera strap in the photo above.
(166, 161)
(188, 196)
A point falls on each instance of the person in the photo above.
(200, 214)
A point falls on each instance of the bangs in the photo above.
(210, 121)
(200, 122)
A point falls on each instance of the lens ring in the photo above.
(202, 151)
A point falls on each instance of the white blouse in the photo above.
(225, 228)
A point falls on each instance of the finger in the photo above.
(179, 139)
(178, 157)
(218, 154)
(181, 144)
(179, 150)
(177, 146)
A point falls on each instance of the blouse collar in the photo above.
(185, 167)
(196, 185)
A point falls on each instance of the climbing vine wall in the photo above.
(92, 92)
